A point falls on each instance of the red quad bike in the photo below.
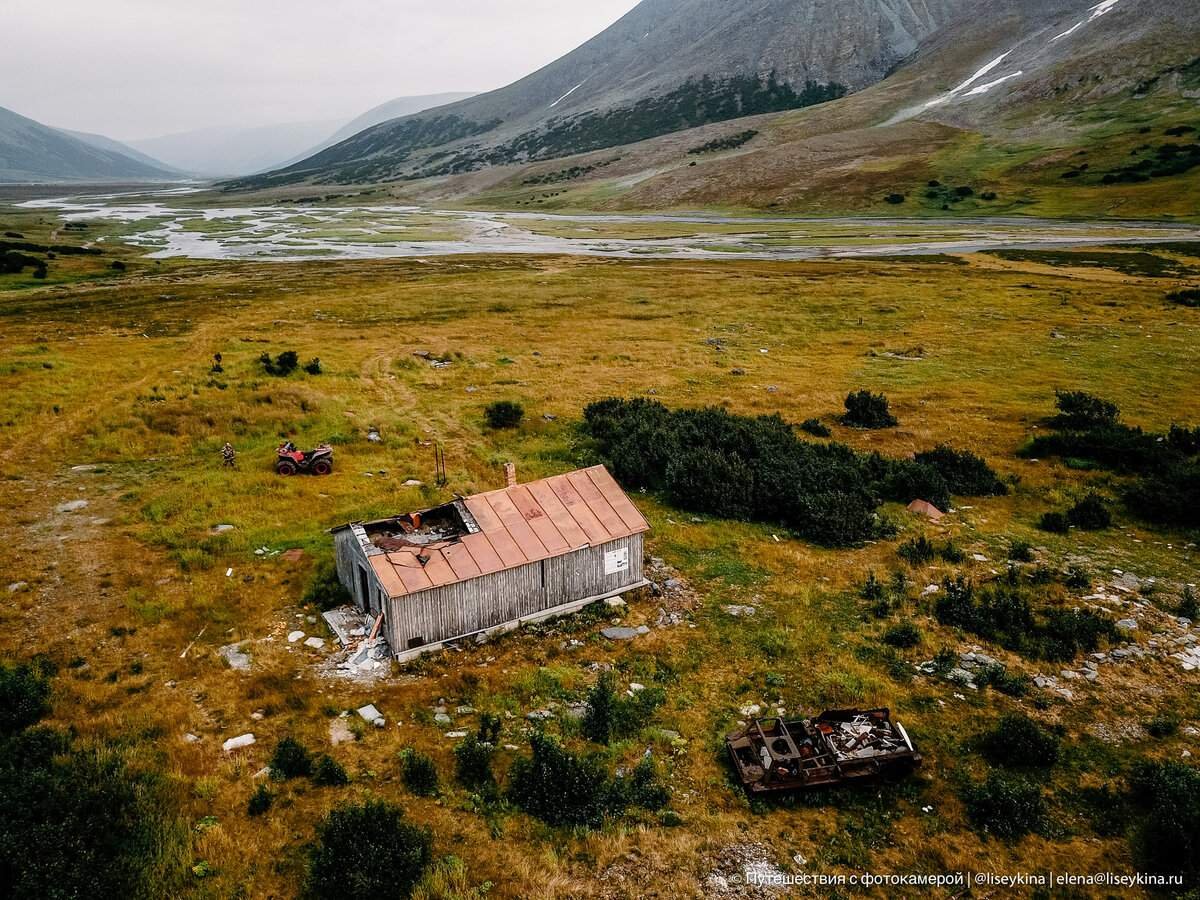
(314, 462)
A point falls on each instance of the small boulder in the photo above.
(237, 743)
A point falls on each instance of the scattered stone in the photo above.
(221, 529)
(86, 467)
(370, 714)
(412, 482)
(539, 715)
(615, 602)
(190, 738)
(465, 710)
(71, 506)
(236, 656)
(740, 612)
(979, 557)
(456, 735)
(17, 586)
(339, 732)
(442, 718)
(295, 636)
(750, 711)
(237, 743)
(373, 435)
(1127, 624)
(315, 642)
(620, 633)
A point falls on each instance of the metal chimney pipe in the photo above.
(510, 474)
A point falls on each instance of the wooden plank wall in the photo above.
(470, 606)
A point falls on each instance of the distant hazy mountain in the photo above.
(31, 151)
(219, 152)
(113, 146)
(228, 152)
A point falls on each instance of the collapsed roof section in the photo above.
(498, 530)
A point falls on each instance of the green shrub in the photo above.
(291, 760)
(1004, 614)
(1162, 726)
(1020, 551)
(611, 716)
(894, 199)
(867, 410)
(917, 551)
(1054, 522)
(997, 676)
(1188, 607)
(24, 695)
(86, 821)
(313, 366)
(1007, 806)
(328, 772)
(754, 469)
(1186, 297)
(872, 588)
(473, 755)
(1090, 513)
(504, 414)
(282, 365)
(1168, 496)
(816, 428)
(260, 801)
(1078, 410)
(367, 851)
(646, 788)
(1167, 839)
(561, 788)
(324, 590)
(964, 472)
(902, 635)
(419, 773)
(950, 552)
(1018, 741)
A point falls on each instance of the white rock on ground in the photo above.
(295, 636)
(71, 506)
(315, 642)
(370, 714)
(237, 743)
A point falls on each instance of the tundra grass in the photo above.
(116, 374)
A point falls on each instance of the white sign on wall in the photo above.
(616, 561)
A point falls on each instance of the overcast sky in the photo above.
(142, 68)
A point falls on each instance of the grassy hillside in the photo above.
(110, 397)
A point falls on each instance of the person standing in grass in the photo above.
(229, 455)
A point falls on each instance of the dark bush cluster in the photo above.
(903, 635)
(867, 410)
(728, 142)
(367, 850)
(291, 760)
(1003, 613)
(1167, 839)
(611, 716)
(1018, 741)
(564, 789)
(1007, 806)
(78, 820)
(473, 755)
(1186, 297)
(816, 428)
(328, 772)
(965, 473)
(1090, 513)
(755, 469)
(260, 801)
(917, 551)
(504, 414)
(1054, 522)
(419, 773)
(282, 365)
(1089, 430)
(24, 695)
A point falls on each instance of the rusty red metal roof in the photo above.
(518, 525)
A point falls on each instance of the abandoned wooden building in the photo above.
(494, 560)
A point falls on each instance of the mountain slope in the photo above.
(31, 151)
(114, 146)
(664, 66)
(392, 109)
(230, 151)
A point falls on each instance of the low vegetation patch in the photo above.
(1167, 837)
(1003, 613)
(867, 410)
(367, 850)
(1018, 741)
(612, 716)
(1187, 297)
(728, 142)
(1008, 806)
(504, 414)
(419, 773)
(755, 469)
